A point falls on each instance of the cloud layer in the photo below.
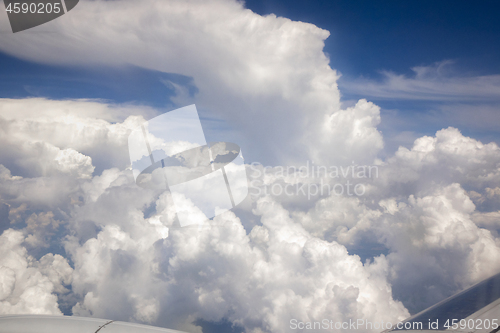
(252, 71)
(79, 235)
(280, 258)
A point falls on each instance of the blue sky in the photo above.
(366, 39)
(427, 227)
(123, 84)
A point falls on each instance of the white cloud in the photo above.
(220, 272)
(92, 128)
(266, 76)
(437, 82)
(446, 158)
(132, 263)
(435, 244)
(281, 257)
(124, 267)
(27, 285)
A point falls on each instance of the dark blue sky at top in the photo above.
(369, 36)
(366, 37)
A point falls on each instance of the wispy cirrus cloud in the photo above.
(437, 82)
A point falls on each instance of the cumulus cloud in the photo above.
(423, 228)
(28, 285)
(443, 159)
(252, 71)
(131, 262)
(281, 258)
(259, 281)
(434, 237)
(36, 129)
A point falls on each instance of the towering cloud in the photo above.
(266, 76)
(79, 235)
